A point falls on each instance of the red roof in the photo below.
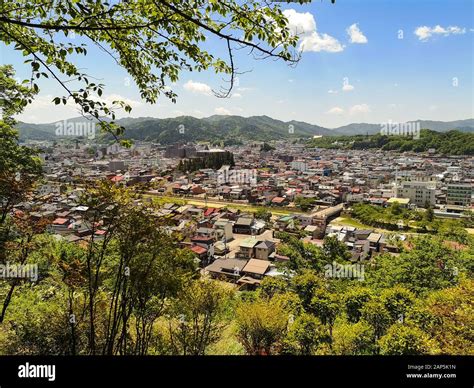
(60, 221)
(209, 211)
(19, 213)
(278, 199)
(117, 178)
(199, 250)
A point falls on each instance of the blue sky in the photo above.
(401, 60)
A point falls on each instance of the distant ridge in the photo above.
(230, 129)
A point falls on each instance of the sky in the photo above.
(365, 61)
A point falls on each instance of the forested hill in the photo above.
(228, 129)
(448, 143)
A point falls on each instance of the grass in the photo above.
(349, 221)
(227, 344)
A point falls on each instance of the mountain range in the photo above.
(228, 129)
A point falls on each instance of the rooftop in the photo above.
(257, 266)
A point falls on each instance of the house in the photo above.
(200, 252)
(204, 242)
(254, 272)
(209, 211)
(197, 190)
(285, 222)
(313, 230)
(362, 234)
(99, 234)
(243, 225)
(83, 231)
(256, 268)
(220, 248)
(236, 193)
(229, 269)
(361, 250)
(60, 225)
(195, 212)
(258, 227)
(305, 219)
(246, 248)
(224, 230)
(280, 201)
(374, 239)
(206, 232)
(264, 249)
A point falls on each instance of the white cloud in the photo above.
(356, 35)
(330, 91)
(321, 42)
(347, 87)
(300, 23)
(198, 88)
(46, 101)
(44, 110)
(222, 111)
(335, 111)
(304, 26)
(236, 95)
(424, 33)
(360, 108)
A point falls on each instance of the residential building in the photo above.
(459, 194)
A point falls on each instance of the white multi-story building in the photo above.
(299, 165)
(420, 193)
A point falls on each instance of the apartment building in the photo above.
(420, 193)
(459, 193)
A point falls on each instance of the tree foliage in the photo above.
(154, 41)
(448, 143)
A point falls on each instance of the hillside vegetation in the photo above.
(448, 143)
